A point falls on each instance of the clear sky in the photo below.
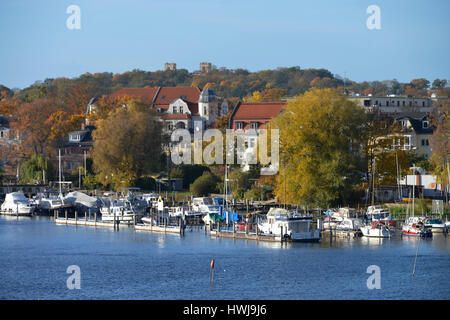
(117, 36)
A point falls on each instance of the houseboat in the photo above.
(283, 223)
(118, 210)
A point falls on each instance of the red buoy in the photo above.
(212, 264)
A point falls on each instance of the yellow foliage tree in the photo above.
(321, 133)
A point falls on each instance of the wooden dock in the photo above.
(88, 223)
(245, 236)
(159, 229)
(341, 234)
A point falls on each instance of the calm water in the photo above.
(35, 253)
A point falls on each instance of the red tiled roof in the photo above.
(167, 94)
(146, 94)
(258, 111)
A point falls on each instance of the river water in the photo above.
(126, 264)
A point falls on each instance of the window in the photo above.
(376, 102)
(74, 137)
(423, 142)
(175, 109)
(181, 109)
(254, 125)
(424, 124)
(205, 111)
(398, 103)
(403, 103)
(427, 142)
(239, 125)
(387, 103)
(366, 103)
(423, 103)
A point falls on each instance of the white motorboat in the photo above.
(283, 223)
(376, 213)
(151, 199)
(52, 202)
(349, 224)
(16, 204)
(435, 225)
(118, 210)
(376, 230)
(205, 205)
(180, 211)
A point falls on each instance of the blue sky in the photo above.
(117, 36)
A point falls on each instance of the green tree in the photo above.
(204, 185)
(321, 133)
(32, 170)
(126, 145)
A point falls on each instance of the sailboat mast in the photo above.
(59, 169)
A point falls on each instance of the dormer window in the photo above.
(424, 124)
(239, 125)
(182, 97)
(254, 125)
(75, 137)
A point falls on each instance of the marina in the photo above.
(167, 266)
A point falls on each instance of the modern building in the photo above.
(393, 103)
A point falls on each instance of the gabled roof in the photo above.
(168, 94)
(417, 124)
(258, 111)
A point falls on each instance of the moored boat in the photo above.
(16, 204)
(283, 223)
(205, 205)
(435, 225)
(414, 227)
(376, 230)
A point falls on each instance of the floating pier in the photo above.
(160, 229)
(246, 236)
(341, 233)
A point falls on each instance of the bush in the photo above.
(256, 193)
(204, 185)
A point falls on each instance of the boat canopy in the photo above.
(81, 199)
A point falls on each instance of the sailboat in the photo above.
(414, 225)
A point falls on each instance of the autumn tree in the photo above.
(440, 142)
(32, 125)
(127, 145)
(321, 133)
